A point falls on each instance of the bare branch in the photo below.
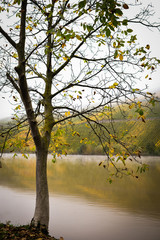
(9, 39)
(13, 82)
(149, 25)
(74, 52)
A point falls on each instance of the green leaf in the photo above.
(108, 32)
(88, 72)
(125, 22)
(84, 27)
(89, 28)
(109, 180)
(129, 30)
(49, 6)
(111, 27)
(118, 12)
(115, 54)
(24, 155)
(82, 4)
(17, 1)
(53, 160)
(141, 112)
(152, 101)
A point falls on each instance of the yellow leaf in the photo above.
(112, 150)
(143, 119)
(63, 45)
(111, 164)
(158, 143)
(65, 58)
(139, 104)
(18, 107)
(15, 55)
(146, 76)
(132, 105)
(67, 113)
(29, 27)
(17, 27)
(119, 15)
(121, 57)
(111, 87)
(112, 138)
(148, 46)
(78, 37)
(76, 133)
(114, 44)
(115, 84)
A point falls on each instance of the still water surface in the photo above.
(83, 206)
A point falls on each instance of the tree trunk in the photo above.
(41, 215)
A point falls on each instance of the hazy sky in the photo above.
(145, 36)
(151, 37)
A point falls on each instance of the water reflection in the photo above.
(83, 204)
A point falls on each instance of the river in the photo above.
(83, 205)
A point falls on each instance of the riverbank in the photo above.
(25, 232)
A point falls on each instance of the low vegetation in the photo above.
(26, 232)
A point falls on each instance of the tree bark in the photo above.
(41, 215)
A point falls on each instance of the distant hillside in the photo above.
(143, 136)
(5, 120)
(78, 138)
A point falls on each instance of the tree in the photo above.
(65, 59)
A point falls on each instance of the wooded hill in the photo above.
(139, 134)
